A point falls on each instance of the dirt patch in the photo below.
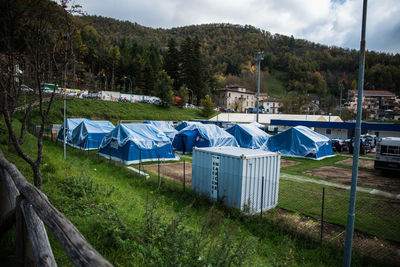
(367, 246)
(286, 163)
(173, 171)
(385, 183)
(363, 163)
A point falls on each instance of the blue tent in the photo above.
(202, 135)
(185, 124)
(248, 135)
(165, 127)
(70, 126)
(302, 142)
(89, 134)
(135, 142)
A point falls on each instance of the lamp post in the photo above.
(340, 101)
(258, 57)
(130, 88)
(354, 176)
(67, 38)
(192, 95)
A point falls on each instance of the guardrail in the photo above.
(28, 208)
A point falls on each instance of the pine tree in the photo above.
(193, 67)
(172, 64)
(163, 89)
(183, 95)
(208, 106)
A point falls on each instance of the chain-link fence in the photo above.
(311, 209)
(320, 212)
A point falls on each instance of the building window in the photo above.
(247, 103)
(328, 131)
(229, 94)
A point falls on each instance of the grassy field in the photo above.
(111, 207)
(376, 216)
(115, 111)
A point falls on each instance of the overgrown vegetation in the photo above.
(126, 219)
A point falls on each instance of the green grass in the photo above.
(115, 111)
(374, 215)
(110, 213)
(275, 85)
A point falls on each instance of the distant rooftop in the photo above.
(374, 93)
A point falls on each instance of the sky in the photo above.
(329, 22)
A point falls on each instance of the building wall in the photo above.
(271, 107)
(238, 100)
(333, 133)
(382, 134)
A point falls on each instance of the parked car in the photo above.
(339, 145)
(365, 146)
(26, 88)
(371, 139)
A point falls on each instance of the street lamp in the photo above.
(340, 101)
(130, 88)
(192, 95)
(258, 57)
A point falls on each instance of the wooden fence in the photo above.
(28, 208)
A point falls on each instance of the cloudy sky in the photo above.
(330, 22)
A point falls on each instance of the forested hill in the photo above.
(227, 51)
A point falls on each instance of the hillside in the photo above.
(115, 111)
(189, 62)
(228, 50)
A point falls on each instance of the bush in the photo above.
(212, 243)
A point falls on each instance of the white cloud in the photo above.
(329, 22)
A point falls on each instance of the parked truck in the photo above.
(387, 156)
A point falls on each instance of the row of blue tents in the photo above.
(155, 140)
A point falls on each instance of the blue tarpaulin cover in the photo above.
(165, 127)
(302, 142)
(135, 142)
(248, 135)
(202, 135)
(70, 126)
(185, 124)
(89, 134)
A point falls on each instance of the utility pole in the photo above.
(354, 176)
(130, 88)
(66, 39)
(258, 57)
(340, 100)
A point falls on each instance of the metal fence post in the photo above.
(322, 212)
(262, 196)
(184, 176)
(159, 178)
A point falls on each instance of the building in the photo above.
(380, 104)
(236, 98)
(265, 119)
(344, 130)
(271, 105)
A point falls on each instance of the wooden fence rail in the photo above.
(29, 208)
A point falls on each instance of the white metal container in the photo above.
(243, 178)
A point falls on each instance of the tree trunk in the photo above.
(112, 77)
(37, 176)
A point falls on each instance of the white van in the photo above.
(387, 156)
